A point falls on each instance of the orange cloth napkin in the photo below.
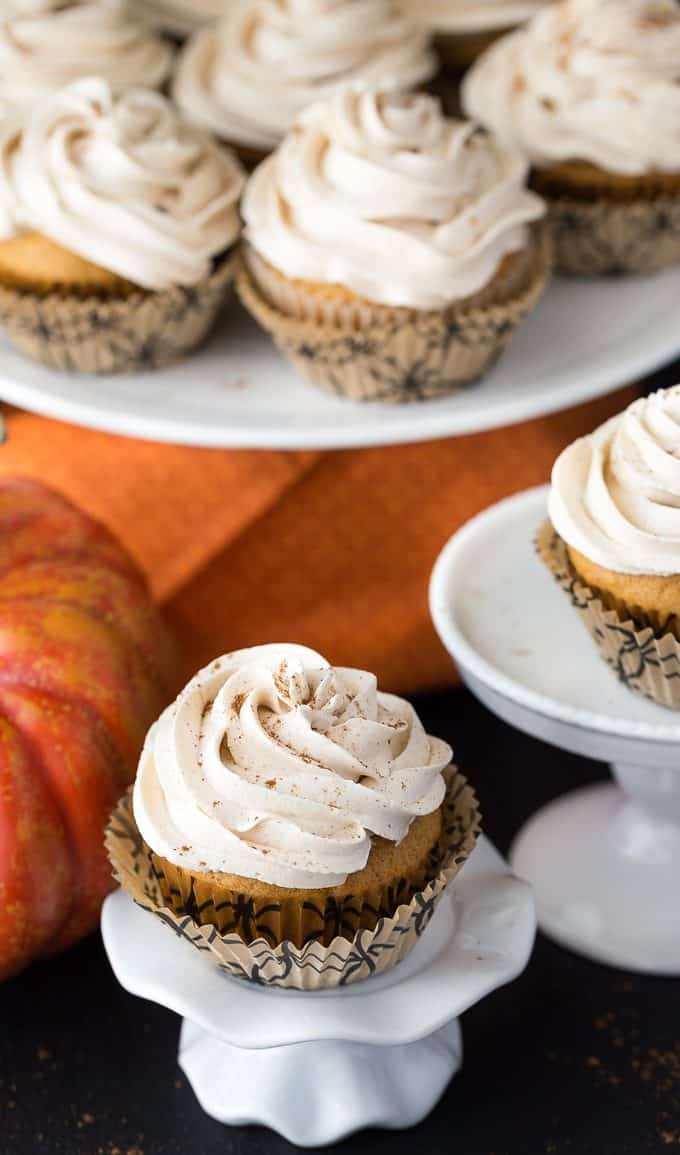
(333, 550)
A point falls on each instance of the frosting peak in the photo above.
(426, 207)
(589, 80)
(274, 765)
(615, 495)
(45, 44)
(122, 182)
(248, 77)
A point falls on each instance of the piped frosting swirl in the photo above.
(615, 495)
(587, 80)
(124, 183)
(248, 77)
(46, 44)
(274, 765)
(380, 193)
(180, 17)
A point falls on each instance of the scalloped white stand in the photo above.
(604, 861)
(316, 1066)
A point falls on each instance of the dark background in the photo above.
(573, 1058)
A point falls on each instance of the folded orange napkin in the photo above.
(333, 550)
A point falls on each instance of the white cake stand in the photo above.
(316, 1066)
(604, 861)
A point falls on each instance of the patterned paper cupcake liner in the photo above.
(93, 333)
(314, 966)
(375, 353)
(642, 652)
(610, 236)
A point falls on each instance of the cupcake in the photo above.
(46, 44)
(390, 251)
(613, 541)
(117, 225)
(463, 29)
(284, 801)
(178, 18)
(589, 90)
(248, 77)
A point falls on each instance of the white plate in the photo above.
(584, 339)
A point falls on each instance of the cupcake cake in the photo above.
(248, 77)
(613, 540)
(463, 29)
(389, 250)
(286, 801)
(178, 18)
(589, 90)
(46, 44)
(117, 225)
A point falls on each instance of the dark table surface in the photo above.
(573, 1058)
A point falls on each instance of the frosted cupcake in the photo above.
(390, 251)
(614, 540)
(463, 29)
(283, 800)
(46, 44)
(248, 77)
(117, 224)
(180, 17)
(589, 90)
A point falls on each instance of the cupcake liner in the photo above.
(640, 649)
(612, 236)
(370, 352)
(314, 966)
(96, 333)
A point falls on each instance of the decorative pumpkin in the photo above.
(85, 667)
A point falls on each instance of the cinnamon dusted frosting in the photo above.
(615, 495)
(45, 44)
(380, 193)
(180, 17)
(124, 183)
(463, 16)
(248, 77)
(274, 765)
(588, 80)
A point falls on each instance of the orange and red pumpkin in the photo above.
(86, 665)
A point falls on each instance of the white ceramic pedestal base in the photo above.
(604, 862)
(316, 1066)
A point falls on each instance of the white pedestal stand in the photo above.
(604, 862)
(316, 1066)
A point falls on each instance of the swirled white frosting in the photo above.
(45, 44)
(464, 16)
(123, 183)
(180, 17)
(589, 80)
(248, 77)
(273, 765)
(382, 194)
(615, 495)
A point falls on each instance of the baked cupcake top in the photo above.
(383, 195)
(615, 495)
(248, 77)
(271, 764)
(180, 17)
(122, 182)
(45, 44)
(462, 16)
(587, 80)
